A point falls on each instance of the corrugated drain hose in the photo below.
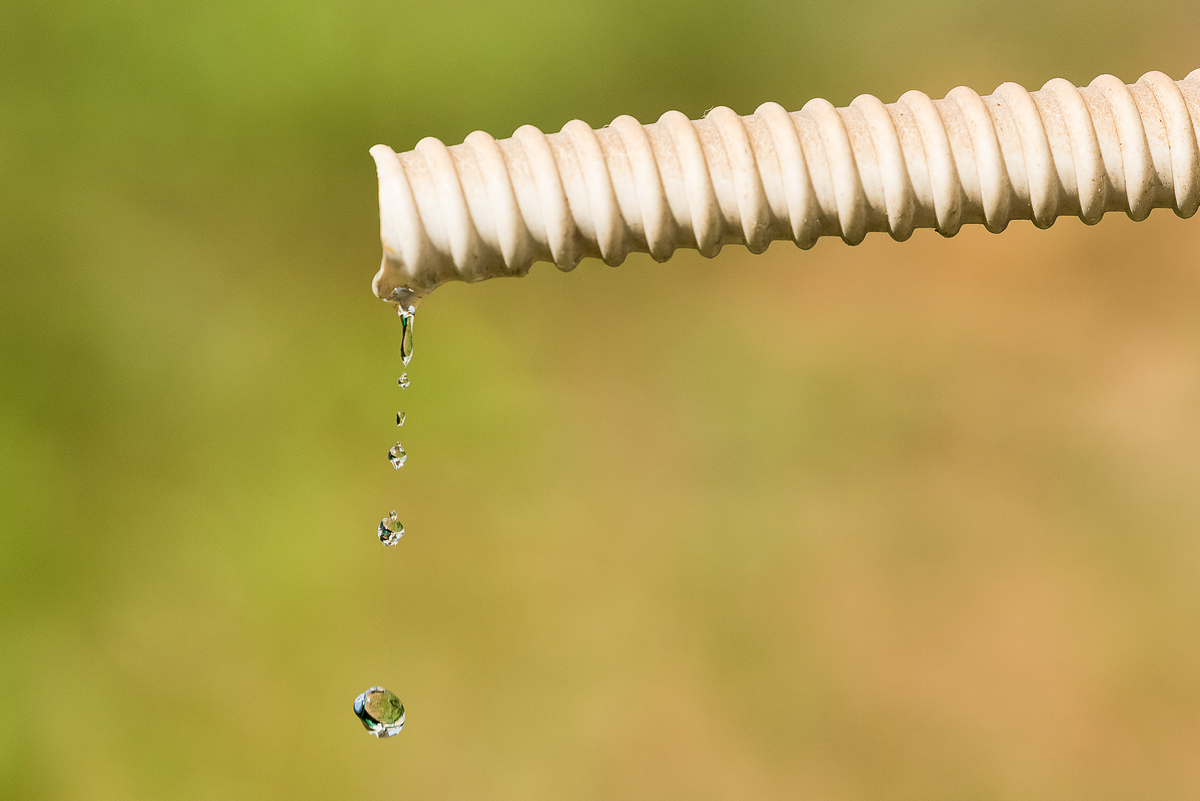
(490, 208)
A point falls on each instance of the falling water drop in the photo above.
(403, 381)
(380, 712)
(406, 334)
(390, 529)
(400, 418)
(397, 456)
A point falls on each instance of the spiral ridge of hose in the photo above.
(489, 208)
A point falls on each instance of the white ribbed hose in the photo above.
(486, 208)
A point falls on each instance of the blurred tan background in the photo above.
(902, 521)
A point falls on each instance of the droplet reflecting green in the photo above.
(406, 336)
(390, 529)
(380, 711)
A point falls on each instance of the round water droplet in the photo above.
(406, 335)
(397, 456)
(390, 529)
(380, 712)
(400, 418)
(403, 381)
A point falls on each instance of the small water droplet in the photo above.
(397, 456)
(380, 712)
(390, 529)
(406, 334)
(403, 381)
(400, 418)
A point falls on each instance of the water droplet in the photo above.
(405, 299)
(397, 456)
(390, 529)
(400, 418)
(403, 381)
(406, 334)
(380, 712)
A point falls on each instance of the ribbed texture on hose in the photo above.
(488, 208)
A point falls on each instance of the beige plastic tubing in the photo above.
(490, 208)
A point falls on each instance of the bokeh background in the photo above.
(901, 521)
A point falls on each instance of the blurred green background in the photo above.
(908, 521)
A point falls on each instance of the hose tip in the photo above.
(387, 289)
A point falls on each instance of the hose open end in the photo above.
(405, 245)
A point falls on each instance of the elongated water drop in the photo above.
(400, 418)
(390, 529)
(406, 334)
(397, 456)
(403, 381)
(380, 711)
